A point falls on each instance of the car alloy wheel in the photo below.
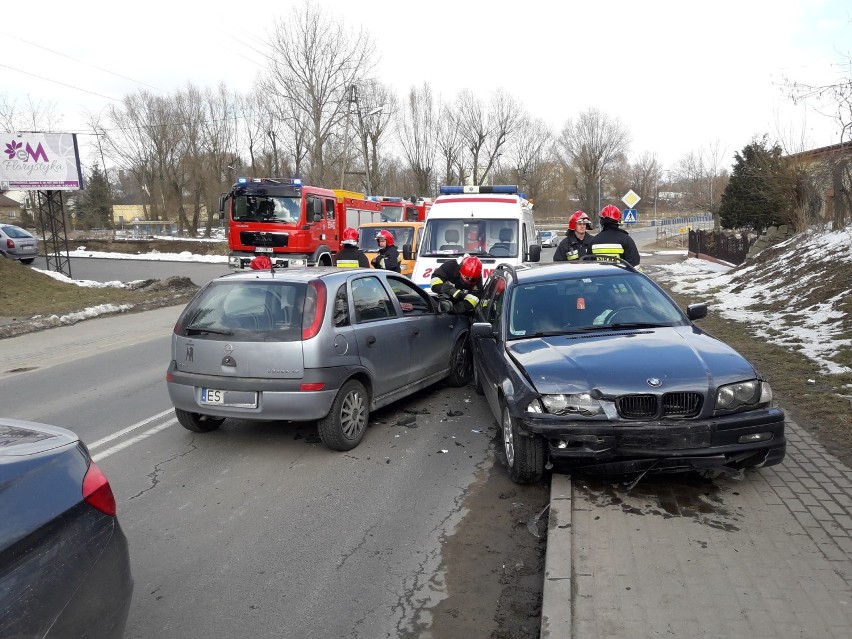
(344, 426)
(508, 438)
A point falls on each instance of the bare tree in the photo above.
(449, 144)
(34, 115)
(645, 173)
(314, 61)
(416, 131)
(378, 108)
(528, 155)
(592, 143)
(485, 131)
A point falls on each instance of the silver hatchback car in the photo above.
(322, 344)
(18, 244)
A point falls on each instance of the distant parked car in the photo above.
(548, 238)
(591, 363)
(18, 244)
(305, 344)
(64, 564)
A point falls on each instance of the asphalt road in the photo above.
(257, 530)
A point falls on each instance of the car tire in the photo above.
(198, 423)
(29, 260)
(477, 383)
(461, 363)
(525, 454)
(344, 426)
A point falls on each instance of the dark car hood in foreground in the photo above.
(623, 361)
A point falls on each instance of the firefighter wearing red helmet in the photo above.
(388, 257)
(459, 284)
(350, 256)
(577, 242)
(613, 243)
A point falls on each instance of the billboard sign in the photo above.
(39, 162)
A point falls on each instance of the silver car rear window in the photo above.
(261, 310)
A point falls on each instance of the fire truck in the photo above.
(397, 209)
(291, 223)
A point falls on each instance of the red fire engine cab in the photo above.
(291, 223)
(397, 209)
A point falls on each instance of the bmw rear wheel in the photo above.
(344, 426)
(525, 454)
(198, 423)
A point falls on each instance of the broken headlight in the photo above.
(567, 404)
(751, 393)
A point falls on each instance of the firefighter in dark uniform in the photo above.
(459, 284)
(613, 242)
(388, 257)
(350, 256)
(577, 242)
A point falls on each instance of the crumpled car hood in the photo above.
(617, 362)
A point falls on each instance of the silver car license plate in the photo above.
(239, 399)
(263, 249)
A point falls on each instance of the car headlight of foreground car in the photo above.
(749, 394)
(563, 404)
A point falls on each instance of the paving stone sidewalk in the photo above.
(767, 555)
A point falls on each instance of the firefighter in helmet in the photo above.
(350, 256)
(388, 256)
(577, 242)
(613, 243)
(458, 283)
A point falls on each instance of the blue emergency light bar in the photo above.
(291, 181)
(509, 189)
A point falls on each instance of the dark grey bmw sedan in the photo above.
(593, 364)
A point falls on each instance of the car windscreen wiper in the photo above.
(638, 325)
(197, 328)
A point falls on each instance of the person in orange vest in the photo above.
(614, 243)
(577, 242)
(350, 256)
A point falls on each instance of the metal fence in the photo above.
(725, 246)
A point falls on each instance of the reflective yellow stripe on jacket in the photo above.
(609, 252)
(348, 263)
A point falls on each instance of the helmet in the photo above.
(387, 235)
(578, 216)
(350, 236)
(260, 263)
(610, 212)
(471, 268)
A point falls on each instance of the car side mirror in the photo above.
(483, 329)
(406, 252)
(696, 311)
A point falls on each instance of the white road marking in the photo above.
(133, 440)
(129, 429)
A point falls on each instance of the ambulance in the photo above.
(495, 223)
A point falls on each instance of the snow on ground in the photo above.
(744, 294)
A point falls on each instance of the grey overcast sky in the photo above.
(681, 75)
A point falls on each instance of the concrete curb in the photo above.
(556, 605)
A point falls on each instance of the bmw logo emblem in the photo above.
(654, 382)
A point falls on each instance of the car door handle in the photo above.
(371, 340)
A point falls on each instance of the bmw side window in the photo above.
(341, 307)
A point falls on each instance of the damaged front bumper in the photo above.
(753, 438)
